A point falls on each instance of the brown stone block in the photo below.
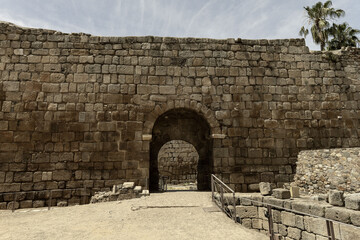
(57, 77)
(61, 175)
(26, 125)
(266, 143)
(113, 98)
(78, 127)
(2, 177)
(258, 71)
(23, 176)
(51, 87)
(130, 164)
(88, 147)
(167, 90)
(26, 204)
(9, 187)
(6, 136)
(26, 186)
(8, 147)
(17, 167)
(255, 153)
(110, 146)
(252, 178)
(134, 146)
(116, 156)
(96, 174)
(41, 158)
(98, 166)
(133, 174)
(66, 116)
(238, 132)
(236, 178)
(106, 126)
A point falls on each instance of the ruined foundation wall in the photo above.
(178, 160)
(318, 171)
(78, 110)
(299, 218)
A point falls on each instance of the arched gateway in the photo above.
(187, 125)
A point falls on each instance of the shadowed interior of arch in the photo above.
(185, 125)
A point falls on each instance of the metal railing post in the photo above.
(222, 197)
(271, 227)
(14, 200)
(85, 196)
(330, 229)
(234, 205)
(212, 188)
(50, 200)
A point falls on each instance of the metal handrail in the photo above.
(224, 206)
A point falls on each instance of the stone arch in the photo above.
(195, 106)
(187, 125)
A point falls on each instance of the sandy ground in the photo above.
(170, 215)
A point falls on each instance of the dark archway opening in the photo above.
(186, 125)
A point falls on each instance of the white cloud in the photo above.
(177, 18)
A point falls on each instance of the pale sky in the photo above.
(247, 19)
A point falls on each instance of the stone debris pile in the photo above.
(318, 171)
(127, 190)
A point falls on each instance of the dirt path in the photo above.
(170, 215)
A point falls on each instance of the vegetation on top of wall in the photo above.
(330, 37)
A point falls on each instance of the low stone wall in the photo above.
(45, 198)
(320, 170)
(290, 225)
(178, 160)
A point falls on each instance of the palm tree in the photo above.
(342, 36)
(318, 18)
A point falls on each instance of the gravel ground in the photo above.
(170, 215)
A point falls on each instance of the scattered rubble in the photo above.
(127, 190)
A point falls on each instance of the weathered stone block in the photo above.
(281, 193)
(315, 225)
(61, 175)
(246, 211)
(307, 236)
(294, 192)
(309, 207)
(336, 198)
(338, 214)
(167, 90)
(353, 201)
(294, 233)
(237, 178)
(23, 176)
(288, 218)
(265, 188)
(128, 185)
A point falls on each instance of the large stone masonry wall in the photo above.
(318, 171)
(78, 110)
(178, 160)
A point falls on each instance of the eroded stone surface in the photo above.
(77, 107)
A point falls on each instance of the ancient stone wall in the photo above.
(79, 110)
(299, 218)
(318, 171)
(178, 160)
